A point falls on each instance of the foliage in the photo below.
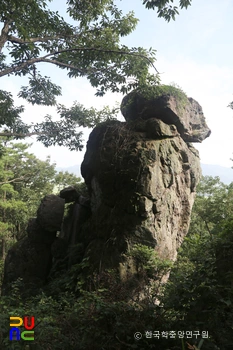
(155, 90)
(65, 319)
(147, 259)
(199, 292)
(198, 295)
(207, 215)
(64, 179)
(165, 9)
(89, 47)
(24, 181)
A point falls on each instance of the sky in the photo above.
(195, 52)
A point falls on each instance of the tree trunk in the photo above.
(3, 249)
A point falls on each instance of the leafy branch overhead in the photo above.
(90, 47)
(62, 133)
(165, 9)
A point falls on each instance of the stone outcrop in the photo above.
(141, 175)
(79, 212)
(142, 190)
(70, 194)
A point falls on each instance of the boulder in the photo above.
(50, 213)
(156, 129)
(70, 194)
(79, 212)
(183, 112)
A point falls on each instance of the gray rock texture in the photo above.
(142, 185)
(142, 176)
(185, 113)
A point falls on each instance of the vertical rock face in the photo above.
(142, 176)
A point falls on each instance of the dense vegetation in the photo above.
(90, 47)
(24, 181)
(86, 45)
(98, 312)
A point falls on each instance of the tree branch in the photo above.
(32, 61)
(22, 135)
(4, 34)
(62, 64)
(16, 40)
(14, 180)
(120, 52)
(29, 134)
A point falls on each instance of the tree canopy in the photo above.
(24, 180)
(86, 46)
(165, 9)
(33, 34)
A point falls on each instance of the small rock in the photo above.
(70, 194)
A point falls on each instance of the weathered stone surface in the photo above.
(185, 114)
(50, 213)
(156, 129)
(41, 255)
(142, 186)
(59, 248)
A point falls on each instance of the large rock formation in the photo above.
(142, 175)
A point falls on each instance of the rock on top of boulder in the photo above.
(70, 194)
(172, 106)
